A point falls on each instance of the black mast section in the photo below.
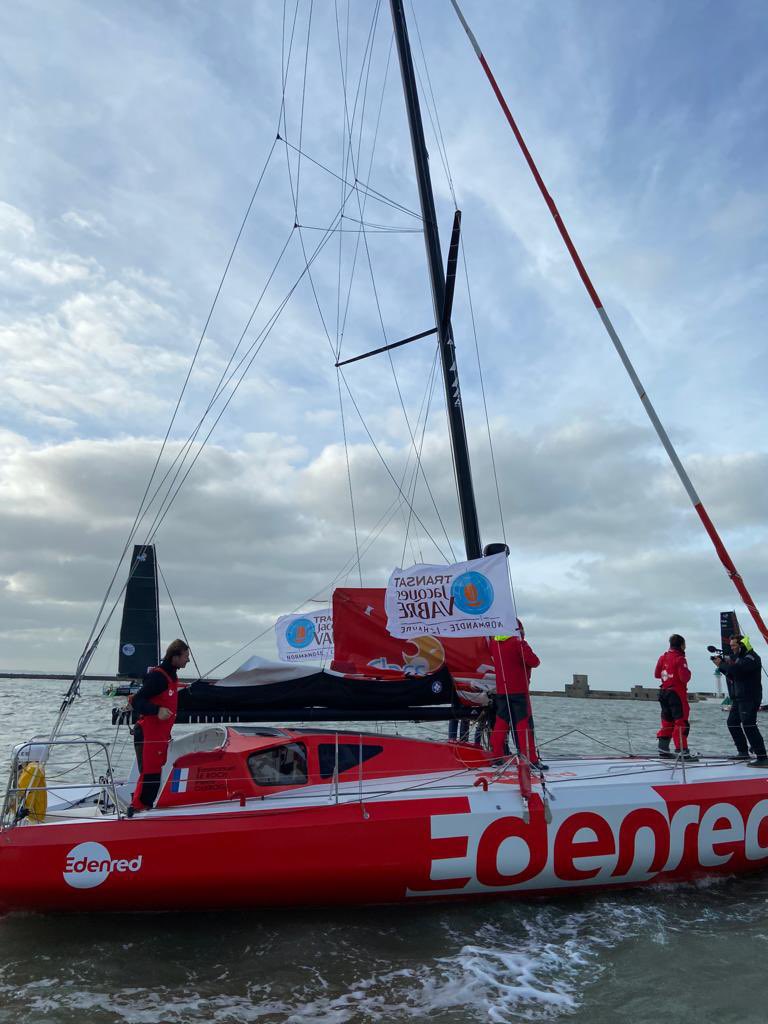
(458, 432)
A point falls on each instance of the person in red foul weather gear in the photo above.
(513, 660)
(672, 669)
(155, 703)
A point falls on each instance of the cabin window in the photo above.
(349, 756)
(279, 766)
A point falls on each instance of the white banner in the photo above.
(467, 599)
(306, 637)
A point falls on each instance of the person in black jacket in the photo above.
(155, 703)
(742, 669)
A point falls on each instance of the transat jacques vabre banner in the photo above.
(305, 637)
(471, 598)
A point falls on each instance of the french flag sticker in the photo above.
(179, 780)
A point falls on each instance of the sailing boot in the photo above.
(686, 755)
(738, 756)
(664, 750)
(759, 762)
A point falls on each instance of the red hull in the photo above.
(449, 826)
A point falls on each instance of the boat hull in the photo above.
(639, 826)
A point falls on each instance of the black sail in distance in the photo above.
(729, 626)
(140, 628)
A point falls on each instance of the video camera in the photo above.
(715, 652)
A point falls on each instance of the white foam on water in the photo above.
(533, 965)
(528, 964)
(498, 963)
(140, 1006)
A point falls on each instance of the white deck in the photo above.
(576, 781)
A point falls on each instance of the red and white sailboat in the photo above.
(266, 816)
(256, 815)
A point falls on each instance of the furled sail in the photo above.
(261, 685)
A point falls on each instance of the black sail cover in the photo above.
(269, 685)
(140, 628)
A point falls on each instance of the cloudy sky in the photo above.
(133, 138)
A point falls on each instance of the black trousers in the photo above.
(742, 725)
(149, 782)
(514, 711)
(458, 728)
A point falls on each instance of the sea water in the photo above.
(672, 954)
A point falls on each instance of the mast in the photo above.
(457, 430)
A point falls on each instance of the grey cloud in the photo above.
(258, 530)
(132, 158)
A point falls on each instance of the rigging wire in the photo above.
(377, 530)
(429, 394)
(431, 104)
(250, 356)
(356, 184)
(93, 638)
(387, 468)
(345, 155)
(88, 649)
(222, 384)
(286, 63)
(295, 195)
(365, 66)
(255, 349)
(435, 122)
(481, 378)
(365, 198)
(345, 72)
(178, 619)
(360, 190)
(301, 116)
(371, 226)
(350, 127)
(340, 324)
(349, 477)
(362, 230)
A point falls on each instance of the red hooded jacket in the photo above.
(513, 660)
(672, 669)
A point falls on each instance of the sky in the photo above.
(135, 136)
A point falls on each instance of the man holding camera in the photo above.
(742, 670)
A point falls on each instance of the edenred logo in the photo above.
(720, 827)
(89, 864)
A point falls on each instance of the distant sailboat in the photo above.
(140, 626)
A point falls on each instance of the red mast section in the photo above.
(709, 526)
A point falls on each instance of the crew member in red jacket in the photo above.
(672, 669)
(513, 660)
(156, 703)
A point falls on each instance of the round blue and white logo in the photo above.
(472, 593)
(437, 686)
(300, 633)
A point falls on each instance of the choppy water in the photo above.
(673, 954)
